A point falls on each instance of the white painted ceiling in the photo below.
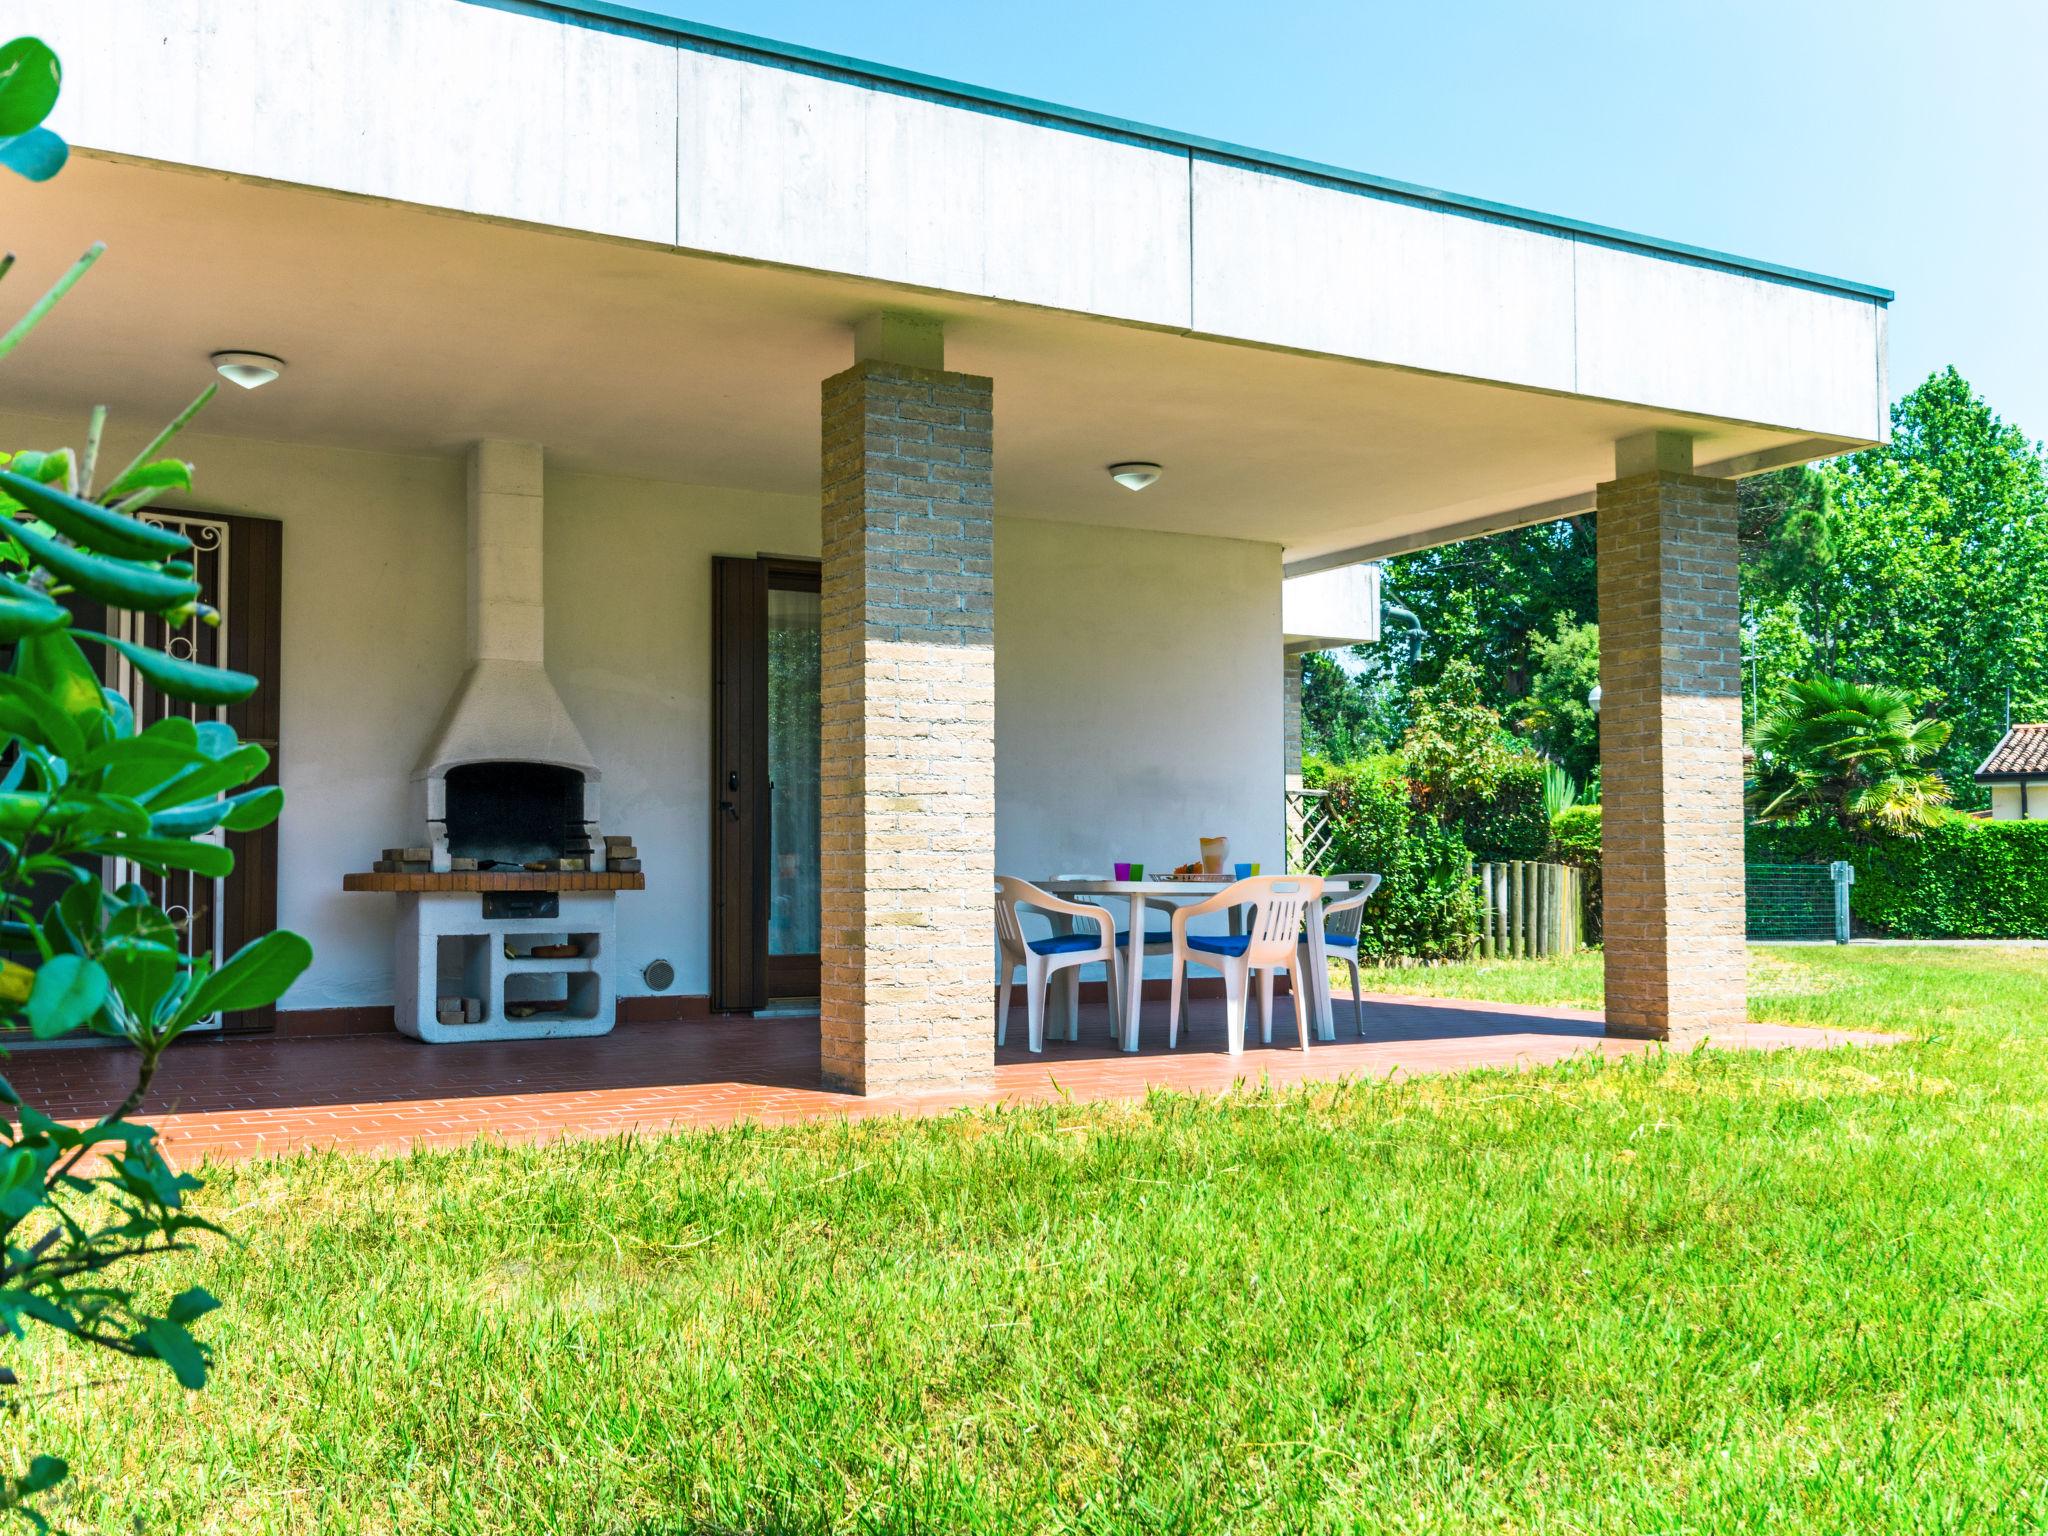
(413, 331)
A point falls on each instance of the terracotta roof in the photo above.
(2023, 754)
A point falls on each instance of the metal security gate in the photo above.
(195, 904)
(239, 565)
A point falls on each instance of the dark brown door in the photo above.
(764, 800)
(240, 565)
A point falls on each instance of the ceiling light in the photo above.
(251, 370)
(1134, 477)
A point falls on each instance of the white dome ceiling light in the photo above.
(251, 370)
(1135, 477)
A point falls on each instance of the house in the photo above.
(715, 457)
(2016, 773)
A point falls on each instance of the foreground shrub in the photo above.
(1427, 906)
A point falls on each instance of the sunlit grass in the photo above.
(1801, 1291)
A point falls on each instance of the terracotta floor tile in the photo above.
(239, 1097)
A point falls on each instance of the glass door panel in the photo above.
(793, 792)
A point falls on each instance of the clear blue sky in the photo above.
(1902, 144)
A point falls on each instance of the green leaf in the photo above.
(174, 1346)
(25, 611)
(69, 990)
(119, 583)
(187, 680)
(194, 820)
(21, 811)
(30, 78)
(142, 921)
(47, 467)
(215, 738)
(54, 663)
(256, 976)
(159, 475)
(160, 853)
(36, 155)
(141, 972)
(205, 780)
(30, 711)
(99, 816)
(71, 923)
(94, 526)
(254, 809)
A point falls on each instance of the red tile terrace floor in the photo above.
(241, 1097)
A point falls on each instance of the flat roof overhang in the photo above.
(646, 248)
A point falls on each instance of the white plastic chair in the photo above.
(1277, 904)
(1042, 958)
(1341, 920)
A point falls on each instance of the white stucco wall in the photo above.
(629, 648)
(2005, 801)
(1138, 698)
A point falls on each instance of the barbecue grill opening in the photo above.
(509, 813)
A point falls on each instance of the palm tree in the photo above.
(1851, 753)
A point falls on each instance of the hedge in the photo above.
(1427, 906)
(1963, 880)
(1513, 823)
(1575, 840)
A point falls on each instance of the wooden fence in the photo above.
(1530, 909)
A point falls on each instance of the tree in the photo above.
(1484, 599)
(80, 784)
(1850, 754)
(1558, 714)
(1349, 714)
(1923, 563)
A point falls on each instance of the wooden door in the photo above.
(764, 791)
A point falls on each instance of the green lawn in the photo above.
(1719, 1293)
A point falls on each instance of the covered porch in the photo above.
(544, 369)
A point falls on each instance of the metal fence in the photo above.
(1800, 902)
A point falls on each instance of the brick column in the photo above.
(907, 844)
(1671, 747)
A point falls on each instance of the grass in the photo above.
(1708, 1294)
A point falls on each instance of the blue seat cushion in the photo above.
(1150, 939)
(1220, 943)
(1066, 943)
(1332, 939)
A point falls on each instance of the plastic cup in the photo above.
(1137, 871)
(1123, 871)
(1246, 871)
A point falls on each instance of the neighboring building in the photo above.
(631, 363)
(2016, 773)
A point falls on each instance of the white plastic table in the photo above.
(1140, 894)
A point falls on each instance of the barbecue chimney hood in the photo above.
(507, 709)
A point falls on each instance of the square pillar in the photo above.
(907, 695)
(1670, 749)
